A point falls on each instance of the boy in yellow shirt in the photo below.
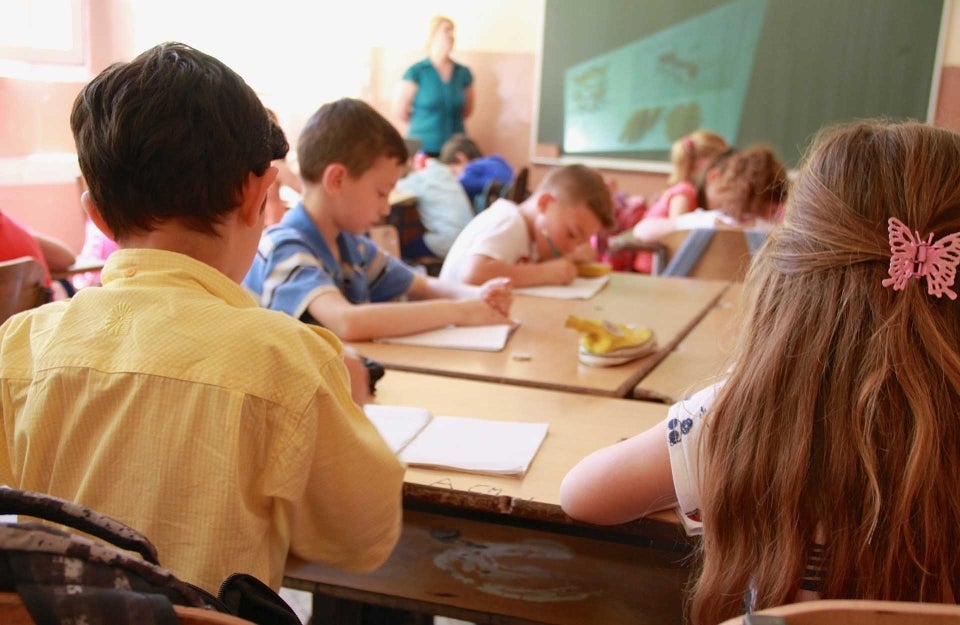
(167, 398)
(538, 241)
(317, 266)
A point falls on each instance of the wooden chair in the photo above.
(517, 191)
(853, 612)
(21, 286)
(725, 254)
(387, 238)
(491, 191)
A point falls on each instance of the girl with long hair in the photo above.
(826, 465)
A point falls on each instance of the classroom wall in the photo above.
(300, 58)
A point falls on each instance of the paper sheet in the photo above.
(580, 288)
(397, 424)
(476, 445)
(478, 338)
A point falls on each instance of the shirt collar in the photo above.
(142, 267)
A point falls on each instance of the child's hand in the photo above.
(583, 253)
(497, 293)
(558, 271)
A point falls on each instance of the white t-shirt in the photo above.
(685, 425)
(499, 232)
(701, 218)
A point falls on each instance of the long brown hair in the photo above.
(840, 420)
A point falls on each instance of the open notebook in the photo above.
(580, 288)
(478, 338)
(459, 443)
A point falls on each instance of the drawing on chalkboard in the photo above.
(680, 70)
(682, 120)
(639, 124)
(644, 95)
(590, 89)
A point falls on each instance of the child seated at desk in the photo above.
(442, 204)
(539, 240)
(473, 169)
(742, 189)
(167, 398)
(826, 465)
(315, 265)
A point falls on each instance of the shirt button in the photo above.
(130, 272)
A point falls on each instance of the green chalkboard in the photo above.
(624, 78)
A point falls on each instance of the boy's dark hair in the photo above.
(172, 134)
(349, 132)
(579, 183)
(459, 143)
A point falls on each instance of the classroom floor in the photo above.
(300, 601)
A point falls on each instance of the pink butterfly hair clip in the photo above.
(912, 257)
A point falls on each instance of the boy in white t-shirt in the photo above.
(537, 241)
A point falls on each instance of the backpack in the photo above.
(65, 578)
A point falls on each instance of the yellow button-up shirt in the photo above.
(223, 431)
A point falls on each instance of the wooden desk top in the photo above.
(701, 357)
(579, 424)
(400, 197)
(542, 353)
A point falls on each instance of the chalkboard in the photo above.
(623, 79)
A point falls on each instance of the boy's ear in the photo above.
(86, 202)
(333, 177)
(544, 200)
(255, 195)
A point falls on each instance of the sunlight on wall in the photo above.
(320, 50)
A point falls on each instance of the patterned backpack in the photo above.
(65, 578)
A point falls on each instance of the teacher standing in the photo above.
(436, 94)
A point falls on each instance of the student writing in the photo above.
(537, 241)
(317, 266)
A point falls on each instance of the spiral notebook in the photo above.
(459, 443)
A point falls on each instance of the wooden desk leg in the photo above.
(329, 610)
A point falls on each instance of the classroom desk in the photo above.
(499, 549)
(542, 353)
(700, 358)
(78, 267)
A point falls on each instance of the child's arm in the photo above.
(653, 229)
(679, 204)
(364, 322)
(57, 254)
(622, 482)
(496, 292)
(479, 268)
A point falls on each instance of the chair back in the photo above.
(853, 612)
(517, 192)
(490, 194)
(723, 254)
(387, 238)
(21, 286)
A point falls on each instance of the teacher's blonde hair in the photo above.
(435, 23)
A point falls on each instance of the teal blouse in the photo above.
(438, 106)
